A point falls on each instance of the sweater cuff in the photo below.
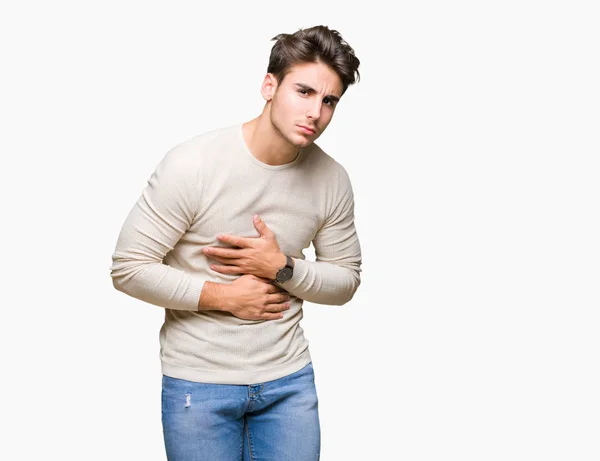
(299, 274)
(192, 297)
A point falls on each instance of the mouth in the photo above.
(306, 129)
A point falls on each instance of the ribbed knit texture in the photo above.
(212, 184)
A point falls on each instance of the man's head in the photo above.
(308, 73)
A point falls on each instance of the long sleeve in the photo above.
(162, 214)
(334, 276)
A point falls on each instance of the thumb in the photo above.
(261, 227)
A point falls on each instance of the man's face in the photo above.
(307, 97)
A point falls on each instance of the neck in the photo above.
(266, 144)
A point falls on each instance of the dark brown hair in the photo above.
(315, 44)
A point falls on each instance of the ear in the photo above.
(268, 87)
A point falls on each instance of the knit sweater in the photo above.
(212, 184)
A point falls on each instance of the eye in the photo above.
(302, 91)
(330, 103)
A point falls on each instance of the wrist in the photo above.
(280, 261)
(212, 297)
(286, 270)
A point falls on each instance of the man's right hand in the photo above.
(248, 297)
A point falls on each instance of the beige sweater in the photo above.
(212, 184)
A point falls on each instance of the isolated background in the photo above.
(472, 144)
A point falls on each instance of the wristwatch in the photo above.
(286, 272)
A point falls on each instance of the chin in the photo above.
(304, 142)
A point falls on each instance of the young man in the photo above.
(217, 239)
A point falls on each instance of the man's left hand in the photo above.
(259, 256)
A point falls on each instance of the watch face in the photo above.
(284, 274)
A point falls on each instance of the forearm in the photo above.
(213, 297)
(157, 283)
(334, 276)
(323, 282)
(160, 217)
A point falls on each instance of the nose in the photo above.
(314, 110)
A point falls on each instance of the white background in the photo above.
(472, 142)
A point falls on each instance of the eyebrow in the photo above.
(308, 88)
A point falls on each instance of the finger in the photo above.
(229, 270)
(261, 227)
(226, 261)
(265, 280)
(221, 252)
(275, 308)
(272, 316)
(275, 288)
(278, 298)
(234, 240)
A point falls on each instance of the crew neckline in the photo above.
(253, 159)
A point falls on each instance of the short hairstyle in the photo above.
(314, 44)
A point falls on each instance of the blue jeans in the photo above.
(272, 421)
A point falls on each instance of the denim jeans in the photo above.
(272, 421)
